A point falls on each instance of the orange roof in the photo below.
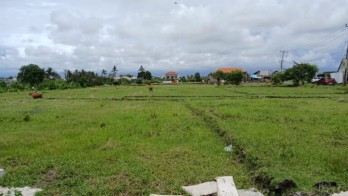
(171, 73)
(228, 70)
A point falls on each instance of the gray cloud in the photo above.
(191, 35)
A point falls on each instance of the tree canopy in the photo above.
(197, 77)
(148, 75)
(300, 73)
(114, 71)
(31, 74)
(234, 77)
(50, 74)
(219, 75)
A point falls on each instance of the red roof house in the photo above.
(171, 75)
(228, 70)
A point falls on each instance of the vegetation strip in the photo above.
(262, 180)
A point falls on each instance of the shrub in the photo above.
(277, 78)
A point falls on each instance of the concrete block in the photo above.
(205, 188)
(2, 172)
(226, 186)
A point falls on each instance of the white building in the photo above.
(341, 75)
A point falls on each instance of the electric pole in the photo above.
(345, 77)
(282, 60)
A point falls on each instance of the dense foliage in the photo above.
(300, 73)
(31, 74)
(197, 77)
(234, 77)
(87, 78)
(277, 78)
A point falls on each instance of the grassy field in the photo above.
(126, 140)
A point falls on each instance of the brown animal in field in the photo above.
(150, 88)
(36, 95)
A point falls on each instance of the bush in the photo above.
(17, 86)
(139, 81)
(277, 78)
(234, 77)
(124, 81)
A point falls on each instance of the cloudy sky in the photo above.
(167, 35)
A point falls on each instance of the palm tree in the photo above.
(114, 71)
(50, 74)
(104, 72)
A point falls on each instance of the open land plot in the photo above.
(304, 140)
(113, 140)
(109, 147)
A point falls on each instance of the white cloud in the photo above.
(161, 35)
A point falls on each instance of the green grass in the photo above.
(145, 147)
(304, 140)
(127, 140)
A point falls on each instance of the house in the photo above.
(341, 75)
(227, 70)
(171, 76)
(262, 75)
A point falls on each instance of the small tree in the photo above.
(234, 77)
(219, 75)
(148, 75)
(197, 77)
(31, 74)
(300, 73)
(277, 78)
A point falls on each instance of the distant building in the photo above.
(228, 70)
(341, 75)
(170, 75)
(8, 80)
(261, 75)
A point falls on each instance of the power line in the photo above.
(325, 37)
(325, 41)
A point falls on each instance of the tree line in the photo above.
(33, 77)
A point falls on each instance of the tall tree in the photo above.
(114, 71)
(104, 72)
(31, 74)
(197, 77)
(148, 75)
(141, 69)
(50, 74)
(141, 73)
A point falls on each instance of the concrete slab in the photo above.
(2, 172)
(226, 186)
(205, 188)
(25, 191)
(341, 194)
(249, 192)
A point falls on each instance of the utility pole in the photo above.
(282, 60)
(347, 51)
(345, 77)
